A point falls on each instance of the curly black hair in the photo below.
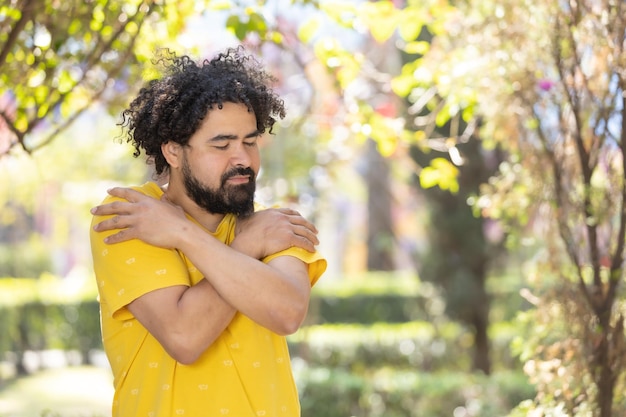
(172, 108)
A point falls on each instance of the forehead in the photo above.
(229, 115)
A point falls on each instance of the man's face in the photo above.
(221, 161)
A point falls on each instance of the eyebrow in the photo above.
(222, 137)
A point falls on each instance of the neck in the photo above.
(177, 195)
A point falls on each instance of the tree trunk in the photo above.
(607, 362)
(380, 234)
(480, 322)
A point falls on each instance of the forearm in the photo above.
(266, 294)
(185, 320)
(204, 314)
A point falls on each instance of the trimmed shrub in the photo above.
(389, 392)
(416, 345)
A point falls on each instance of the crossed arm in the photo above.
(187, 320)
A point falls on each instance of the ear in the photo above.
(173, 153)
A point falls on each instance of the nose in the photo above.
(240, 155)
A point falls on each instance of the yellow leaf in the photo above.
(403, 85)
(429, 177)
(387, 145)
(410, 23)
(417, 47)
(381, 18)
(441, 173)
(419, 136)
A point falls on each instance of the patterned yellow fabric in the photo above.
(245, 373)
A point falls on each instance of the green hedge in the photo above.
(414, 345)
(366, 308)
(397, 298)
(34, 315)
(38, 326)
(389, 392)
(48, 313)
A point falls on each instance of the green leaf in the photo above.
(257, 24)
(308, 29)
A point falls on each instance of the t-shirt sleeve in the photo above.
(125, 271)
(316, 263)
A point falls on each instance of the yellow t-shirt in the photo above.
(246, 372)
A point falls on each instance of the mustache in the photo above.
(239, 171)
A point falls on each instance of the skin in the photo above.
(275, 295)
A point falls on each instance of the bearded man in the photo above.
(198, 290)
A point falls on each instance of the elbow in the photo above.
(185, 358)
(183, 351)
(290, 321)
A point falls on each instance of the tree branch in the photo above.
(112, 75)
(617, 259)
(27, 14)
(574, 100)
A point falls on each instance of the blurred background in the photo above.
(463, 161)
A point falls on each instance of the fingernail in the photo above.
(93, 210)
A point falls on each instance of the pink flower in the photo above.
(545, 84)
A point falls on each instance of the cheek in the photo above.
(209, 173)
(255, 160)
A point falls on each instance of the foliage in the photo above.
(29, 258)
(562, 79)
(48, 313)
(419, 345)
(550, 88)
(45, 207)
(58, 58)
(547, 80)
(392, 392)
(556, 349)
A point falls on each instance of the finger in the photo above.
(308, 234)
(121, 236)
(127, 194)
(289, 211)
(301, 221)
(115, 222)
(116, 207)
(305, 244)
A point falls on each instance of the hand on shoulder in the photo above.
(272, 230)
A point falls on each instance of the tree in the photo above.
(439, 133)
(548, 79)
(459, 253)
(58, 58)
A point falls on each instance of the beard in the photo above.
(235, 199)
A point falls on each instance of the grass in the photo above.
(82, 391)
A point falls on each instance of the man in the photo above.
(196, 291)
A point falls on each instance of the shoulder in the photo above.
(316, 263)
(149, 188)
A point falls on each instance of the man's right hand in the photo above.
(156, 222)
(269, 231)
